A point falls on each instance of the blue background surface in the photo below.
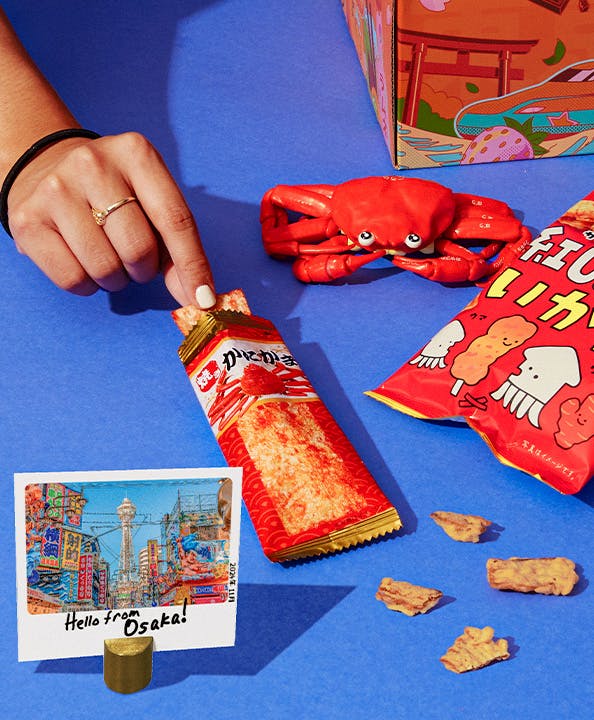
(238, 97)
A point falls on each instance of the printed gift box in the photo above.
(462, 82)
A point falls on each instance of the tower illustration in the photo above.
(127, 569)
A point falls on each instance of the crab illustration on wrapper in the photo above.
(543, 373)
(418, 225)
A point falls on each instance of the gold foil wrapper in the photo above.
(364, 531)
(213, 323)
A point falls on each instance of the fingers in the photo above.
(132, 237)
(123, 247)
(55, 259)
(51, 220)
(126, 233)
(90, 245)
(174, 285)
(164, 205)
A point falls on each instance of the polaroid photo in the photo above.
(102, 555)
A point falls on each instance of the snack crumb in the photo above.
(545, 576)
(475, 649)
(463, 528)
(407, 598)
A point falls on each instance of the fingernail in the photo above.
(205, 297)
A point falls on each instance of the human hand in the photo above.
(50, 218)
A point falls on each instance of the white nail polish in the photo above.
(205, 298)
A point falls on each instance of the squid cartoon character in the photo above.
(545, 370)
(434, 352)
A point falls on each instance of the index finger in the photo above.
(166, 208)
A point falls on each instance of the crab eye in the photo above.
(413, 241)
(365, 238)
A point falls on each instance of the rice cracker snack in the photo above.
(407, 598)
(188, 316)
(475, 649)
(545, 576)
(517, 363)
(462, 528)
(305, 488)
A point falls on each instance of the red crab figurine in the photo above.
(390, 217)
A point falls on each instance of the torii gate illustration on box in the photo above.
(418, 65)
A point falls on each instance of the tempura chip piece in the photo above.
(407, 598)
(580, 215)
(463, 528)
(188, 316)
(546, 576)
(475, 649)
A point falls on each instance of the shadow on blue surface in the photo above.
(492, 533)
(139, 298)
(512, 648)
(269, 619)
(443, 601)
(587, 494)
(247, 266)
(120, 79)
(582, 583)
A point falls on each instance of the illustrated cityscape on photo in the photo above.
(104, 545)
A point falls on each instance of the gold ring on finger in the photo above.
(101, 215)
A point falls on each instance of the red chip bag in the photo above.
(517, 363)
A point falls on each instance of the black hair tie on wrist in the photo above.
(26, 158)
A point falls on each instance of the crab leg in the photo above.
(325, 189)
(480, 218)
(444, 269)
(511, 251)
(455, 264)
(459, 264)
(324, 268)
(482, 204)
(444, 246)
(308, 200)
(483, 227)
(282, 238)
(287, 239)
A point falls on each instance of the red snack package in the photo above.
(517, 362)
(305, 488)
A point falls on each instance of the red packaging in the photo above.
(305, 488)
(517, 362)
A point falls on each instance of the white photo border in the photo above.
(44, 636)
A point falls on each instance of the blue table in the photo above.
(239, 97)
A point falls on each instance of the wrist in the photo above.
(38, 147)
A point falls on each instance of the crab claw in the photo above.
(511, 251)
(325, 268)
(448, 269)
(456, 263)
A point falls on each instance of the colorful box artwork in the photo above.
(456, 82)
